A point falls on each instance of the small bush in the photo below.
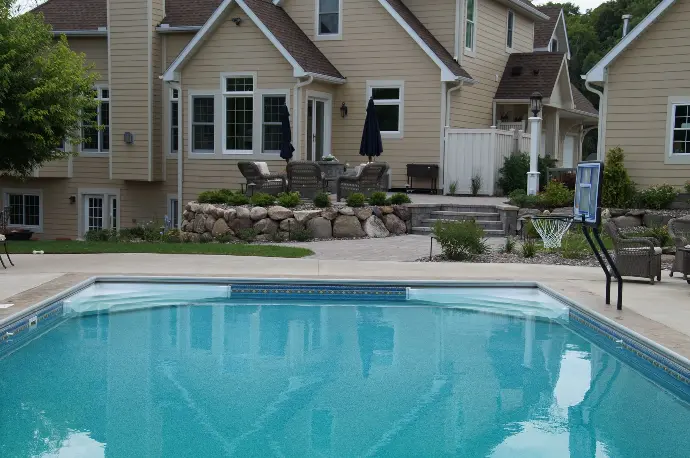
(378, 198)
(247, 235)
(529, 249)
(400, 198)
(217, 196)
(356, 200)
(687, 187)
(238, 198)
(289, 199)
(660, 233)
(519, 198)
(510, 245)
(574, 246)
(513, 174)
(226, 238)
(460, 240)
(300, 234)
(556, 195)
(452, 188)
(475, 184)
(101, 235)
(322, 200)
(658, 197)
(530, 231)
(261, 199)
(618, 190)
(171, 236)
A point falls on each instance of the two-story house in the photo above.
(189, 88)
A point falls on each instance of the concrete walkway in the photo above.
(661, 312)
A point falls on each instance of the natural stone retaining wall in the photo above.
(207, 222)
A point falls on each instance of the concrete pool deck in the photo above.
(660, 312)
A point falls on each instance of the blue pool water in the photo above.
(294, 379)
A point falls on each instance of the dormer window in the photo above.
(553, 46)
(329, 18)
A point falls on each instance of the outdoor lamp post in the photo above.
(535, 132)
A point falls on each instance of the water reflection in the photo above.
(289, 380)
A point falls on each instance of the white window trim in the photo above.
(471, 52)
(225, 95)
(101, 192)
(168, 145)
(553, 39)
(329, 36)
(398, 84)
(170, 199)
(670, 157)
(510, 49)
(192, 94)
(34, 192)
(327, 121)
(260, 94)
(99, 153)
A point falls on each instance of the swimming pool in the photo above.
(226, 368)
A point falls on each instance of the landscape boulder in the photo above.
(210, 221)
(394, 224)
(266, 226)
(329, 213)
(302, 216)
(220, 228)
(258, 213)
(363, 213)
(199, 223)
(375, 228)
(402, 212)
(320, 228)
(346, 226)
(278, 213)
(347, 211)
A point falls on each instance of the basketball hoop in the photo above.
(551, 229)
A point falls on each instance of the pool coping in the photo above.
(662, 357)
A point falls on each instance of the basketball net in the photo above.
(551, 230)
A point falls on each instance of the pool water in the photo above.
(298, 380)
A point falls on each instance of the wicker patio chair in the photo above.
(679, 230)
(635, 257)
(260, 180)
(306, 178)
(368, 181)
(4, 222)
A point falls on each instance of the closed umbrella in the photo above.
(371, 137)
(286, 148)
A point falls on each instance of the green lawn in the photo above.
(76, 247)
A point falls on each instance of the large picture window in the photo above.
(174, 120)
(470, 25)
(239, 114)
(680, 132)
(96, 125)
(328, 18)
(270, 125)
(25, 208)
(203, 116)
(389, 100)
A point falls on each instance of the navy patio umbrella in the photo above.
(286, 148)
(371, 137)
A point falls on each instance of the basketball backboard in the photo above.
(590, 176)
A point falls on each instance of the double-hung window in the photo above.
(470, 25)
(174, 120)
(271, 128)
(680, 130)
(203, 118)
(25, 208)
(510, 29)
(238, 98)
(329, 18)
(389, 100)
(96, 126)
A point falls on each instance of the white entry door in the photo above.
(100, 212)
(316, 114)
(568, 151)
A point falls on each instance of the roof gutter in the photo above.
(165, 28)
(528, 9)
(326, 78)
(81, 33)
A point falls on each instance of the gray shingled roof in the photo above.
(189, 12)
(538, 71)
(544, 30)
(582, 103)
(75, 14)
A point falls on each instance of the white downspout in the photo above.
(445, 123)
(448, 101)
(296, 114)
(602, 118)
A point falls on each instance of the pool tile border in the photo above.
(296, 291)
(16, 332)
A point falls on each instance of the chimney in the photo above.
(626, 21)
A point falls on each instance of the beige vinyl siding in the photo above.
(228, 49)
(376, 47)
(640, 81)
(439, 17)
(129, 47)
(158, 155)
(471, 106)
(174, 44)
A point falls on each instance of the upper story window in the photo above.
(203, 118)
(553, 46)
(97, 139)
(470, 25)
(329, 18)
(238, 133)
(174, 120)
(389, 100)
(510, 29)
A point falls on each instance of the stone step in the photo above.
(464, 216)
(424, 230)
(484, 224)
(468, 208)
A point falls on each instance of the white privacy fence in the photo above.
(478, 153)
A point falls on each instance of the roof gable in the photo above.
(543, 31)
(538, 71)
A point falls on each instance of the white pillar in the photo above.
(533, 174)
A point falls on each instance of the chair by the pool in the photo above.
(368, 181)
(306, 178)
(259, 179)
(4, 222)
(679, 230)
(635, 256)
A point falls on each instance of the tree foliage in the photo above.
(44, 90)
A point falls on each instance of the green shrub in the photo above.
(247, 235)
(300, 234)
(289, 199)
(556, 194)
(101, 235)
(476, 184)
(574, 246)
(529, 249)
(660, 233)
(658, 197)
(378, 198)
(530, 231)
(513, 174)
(322, 200)
(226, 238)
(356, 200)
(217, 196)
(261, 199)
(400, 198)
(237, 198)
(687, 187)
(618, 190)
(460, 240)
(519, 198)
(171, 236)
(510, 245)
(452, 188)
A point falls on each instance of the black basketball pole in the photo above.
(585, 230)
(619, 279)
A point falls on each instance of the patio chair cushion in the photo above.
(657, 250)
(687, 246)
(263, 168)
